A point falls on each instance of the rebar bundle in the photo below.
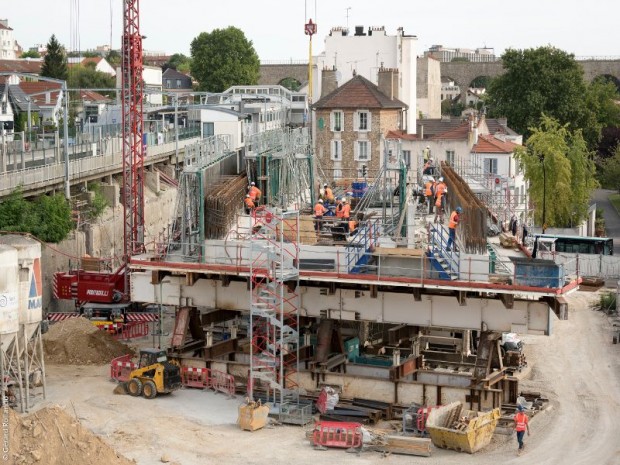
(474, 219)
(223, 200)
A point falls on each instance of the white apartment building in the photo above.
(8, 45)
(366, 51)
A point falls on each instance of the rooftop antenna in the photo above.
(348, 8)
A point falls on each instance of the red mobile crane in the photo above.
(108, 288)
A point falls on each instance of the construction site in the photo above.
(297, 336)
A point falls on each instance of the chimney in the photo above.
(328, 81)
(4, 22)
(359, 31)
(388, 82)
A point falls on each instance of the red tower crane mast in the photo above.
(102, 287)
(132, 95)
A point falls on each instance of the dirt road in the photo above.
(577, 368)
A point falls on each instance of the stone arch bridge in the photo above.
(463, 73)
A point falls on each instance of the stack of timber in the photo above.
(223, 200)
(408, 445)
(307, 233)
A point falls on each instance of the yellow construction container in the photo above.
(252, 415)
(452, 427)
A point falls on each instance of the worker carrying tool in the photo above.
(429, 193)
(254, 193)
(339, 208)
(249, 204)
(429, 167)
(328, 194)
(319, 211)
(455, 217)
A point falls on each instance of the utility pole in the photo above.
(348, 9)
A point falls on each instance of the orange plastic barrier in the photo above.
(126, 331)
(223, 382)
(120, 368)
(337, 434)
(195, 377)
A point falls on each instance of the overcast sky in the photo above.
(276, 26)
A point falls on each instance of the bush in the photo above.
(99, 203)
(606, 303)
(47, 217)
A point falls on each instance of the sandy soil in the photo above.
(577, 368)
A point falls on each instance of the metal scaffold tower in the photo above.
(204, 161)
(280, 163)
(274, 306)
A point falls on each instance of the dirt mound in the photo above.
(52, 437)
(77, 341)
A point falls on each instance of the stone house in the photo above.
(350, 123)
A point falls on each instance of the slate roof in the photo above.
(172, 73)
(20, 99)
(491, 144)
(358, 92)
(433, 127)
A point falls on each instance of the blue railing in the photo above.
(448, 267)
(358, 250)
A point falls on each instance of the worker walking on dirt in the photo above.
(254, 193)
(521, 426)
(455, 217)
(328, 194)
(249, 204)
(319, 211)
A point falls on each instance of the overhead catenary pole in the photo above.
(65, 128)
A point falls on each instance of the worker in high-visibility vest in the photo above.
(455, 217)
(328, 194)
(521, 426)
(319, 211)
(441, 188)
(249, 204)
(439, 204)
(254, 193)
(346, 213)
(339, 208)
(429, 193)
(352, 227)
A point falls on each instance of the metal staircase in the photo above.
(444, 262)
(274, 317)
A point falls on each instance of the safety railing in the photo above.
(199, 378)
(232, 256)
(361, 244)
(440, 237)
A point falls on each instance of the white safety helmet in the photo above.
(247, 195)
(324, 185)
(252, 184)
(432, 179)
(320, 200)
(441, 179)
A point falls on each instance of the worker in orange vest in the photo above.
(346, 213)
(319, 211)
(254, 193)
(249, 204)
(521, 426)
(353, 227)
(441, 188)
(339, 208)
(439, 203)
(455, 217)
(328, 194)
(429, 194)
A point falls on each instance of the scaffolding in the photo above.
(279, 161)
(274, 305)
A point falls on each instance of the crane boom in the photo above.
(132, 94)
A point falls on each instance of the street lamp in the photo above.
(541, 157)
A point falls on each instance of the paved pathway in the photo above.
(612, 219)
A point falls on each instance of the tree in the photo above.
(291, 84)
(223, 58)
(540, 81)
(55, 61)
(31, 54)
(179, 62)
(86, 77)
(114, 58)
(559, 167)
(609, 173)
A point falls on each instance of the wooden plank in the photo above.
(406, 445)
(180, 327)
(397, 252)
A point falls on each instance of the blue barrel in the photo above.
(359, 189)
